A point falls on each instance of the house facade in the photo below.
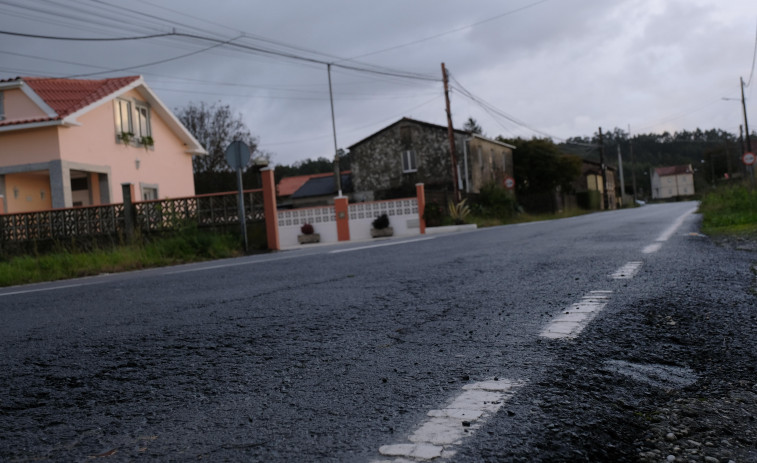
(71, 142)
(391, 161)
(672, 181)
(590, 188)
(486, 161)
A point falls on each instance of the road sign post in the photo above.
(237, 156)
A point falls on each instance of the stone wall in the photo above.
(377, 162)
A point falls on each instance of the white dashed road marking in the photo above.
(665, 235)
(446, 428)
(574, 319)
(627, 271)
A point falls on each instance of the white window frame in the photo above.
(409, 162)
(123, 106)
(143, 127)
(144, 188)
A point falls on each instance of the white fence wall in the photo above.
(323, 220)
(402, 213)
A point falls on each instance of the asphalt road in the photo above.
(365, 351)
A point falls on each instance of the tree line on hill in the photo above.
(541, 165)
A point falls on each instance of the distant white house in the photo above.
(672, 181)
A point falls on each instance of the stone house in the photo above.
(391, 161)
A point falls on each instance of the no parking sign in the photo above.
(509, 183)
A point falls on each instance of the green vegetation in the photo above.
(189, 245)
(729, 211)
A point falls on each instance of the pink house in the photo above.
(70, 142)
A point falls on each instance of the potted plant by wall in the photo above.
(381, 227)
(308, 235)
(146, 141)
(125, 137)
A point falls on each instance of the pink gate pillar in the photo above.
(341, 209)
(269, 208)
(420, 193)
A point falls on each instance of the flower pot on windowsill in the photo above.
(382, 232)
(307, 239)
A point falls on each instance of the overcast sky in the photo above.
(557, 68)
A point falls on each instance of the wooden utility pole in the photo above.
(451, 134)
(633, 164)
(603, 168)
(746, 123)
(337, 169)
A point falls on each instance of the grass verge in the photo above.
(729, 211)
(189, 245)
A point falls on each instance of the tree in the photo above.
(540, 167)
(472, 126)
(215, 126)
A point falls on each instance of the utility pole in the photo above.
(451, 134)
(622, 180)
(603, 168)
(633, 164)
(746, 123)
(337, 171)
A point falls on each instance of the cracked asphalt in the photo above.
(317, 356)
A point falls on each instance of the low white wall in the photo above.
(402, 213)
(323, 220)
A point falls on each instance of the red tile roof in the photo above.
(66, 96)
(288, 185)
(674, 170)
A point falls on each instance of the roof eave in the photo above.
(30, 125)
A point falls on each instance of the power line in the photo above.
(257, 49)
(754, 58)
(86, 39)
(166, 60)
(452, 31)
(488, 106)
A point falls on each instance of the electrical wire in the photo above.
(489, 107)
(166, 60)
(86, 39)
(754, 58)
(452, 31)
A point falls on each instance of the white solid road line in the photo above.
(389, 243)
(574, 319)
(446, 428)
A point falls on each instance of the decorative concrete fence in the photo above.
(345, 222)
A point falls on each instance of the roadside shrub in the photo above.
(433, 214)
(307, 229)
(459, 212)
(381, 222)
(494, 201)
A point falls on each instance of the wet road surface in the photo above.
(550, 341)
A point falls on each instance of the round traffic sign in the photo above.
(509, 183)
(238, 154)
(748, 158)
